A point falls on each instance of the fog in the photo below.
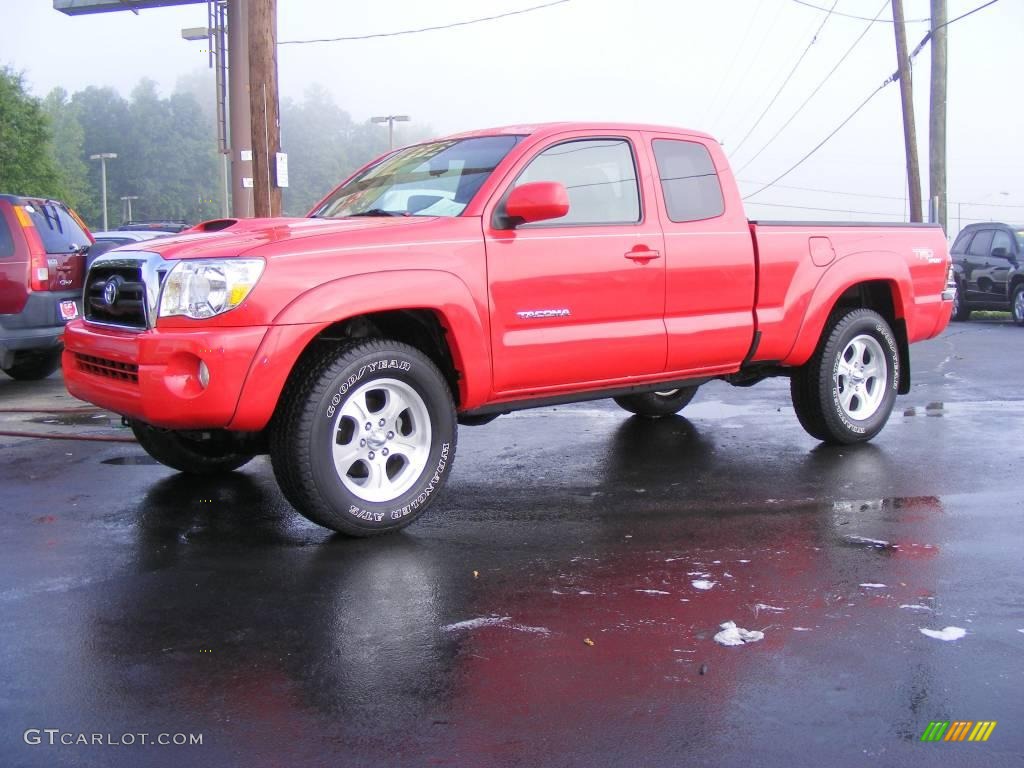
(702, 64)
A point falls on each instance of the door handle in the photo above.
(641, 254)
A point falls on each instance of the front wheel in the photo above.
(846, 391)
(188, 454)
(1017, 304)
(365, 437)
(657, 404)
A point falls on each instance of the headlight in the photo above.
(201, 288)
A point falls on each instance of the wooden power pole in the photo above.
(264, 106)
(907, 97)
(937, 124)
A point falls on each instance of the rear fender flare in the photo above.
(876, 266)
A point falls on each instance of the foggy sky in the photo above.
(710, 65)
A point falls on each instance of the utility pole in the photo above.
(907, 97)
(937, 124)
(264, 105)
(238, 108)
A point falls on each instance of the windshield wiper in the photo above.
(377, 212)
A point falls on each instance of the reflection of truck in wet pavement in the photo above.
(522, 267)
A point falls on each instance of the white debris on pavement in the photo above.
(949, 633)
(764, 607)
(916, 607)
(483, 621)
(494, 621)
(653, 591)
(869, 585)
(866, 540)
(801, 629)
(703, 584)
(733, 635)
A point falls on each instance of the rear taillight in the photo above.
(38, 263)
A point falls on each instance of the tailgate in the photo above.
(66, 241)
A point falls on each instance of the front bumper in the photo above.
(153, 375)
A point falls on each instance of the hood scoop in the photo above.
(214, 225)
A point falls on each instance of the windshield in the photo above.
(436, 179)
(59, 231)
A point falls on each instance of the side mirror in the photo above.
(536, 201)
(1001, 252)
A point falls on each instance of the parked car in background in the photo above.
(162, 226)
(1015, 282)
(985, 256)
(107, 241)
(43, 245)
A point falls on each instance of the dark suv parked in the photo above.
(42, 264)
(987, 267)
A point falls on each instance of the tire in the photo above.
(335, 460)
(193, 457)
(33, 366)
(845, 393)
(1017, 304)
(961, 312)
(657, 404)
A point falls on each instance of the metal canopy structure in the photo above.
(83, 7)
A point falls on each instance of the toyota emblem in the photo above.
(110, 291)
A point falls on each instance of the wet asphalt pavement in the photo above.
(545, 612)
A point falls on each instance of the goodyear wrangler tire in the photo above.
(846, 391)
(365, 437)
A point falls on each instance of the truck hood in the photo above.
(234, 237)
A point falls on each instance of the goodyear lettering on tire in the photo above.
(355, 378)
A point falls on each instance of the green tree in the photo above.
(27, 166)
(324, 145)
(68, 140)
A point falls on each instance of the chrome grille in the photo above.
(122, 289)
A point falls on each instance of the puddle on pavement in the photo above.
(131, 460)
(79, 420)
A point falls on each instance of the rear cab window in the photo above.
(57, 229)
(689, 181)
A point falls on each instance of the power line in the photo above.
(785, 82)
(732, 62)
(829, 210)
(815, 91)
(892, 78)
(859, 18)
(820, 144)
(424, 29)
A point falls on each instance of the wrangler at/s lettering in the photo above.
(459, 279)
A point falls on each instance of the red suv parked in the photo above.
(42, 264)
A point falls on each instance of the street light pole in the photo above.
(128, 199)
(391, 120)
(103, 157)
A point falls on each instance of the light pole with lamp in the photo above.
(128, 199)
(103, 157)
(391, 120)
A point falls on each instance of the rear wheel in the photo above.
(32, 366)
(657, 404)
(180, 451)
(960, 310)
(846, 391)
(365, 437)
(1017, 304)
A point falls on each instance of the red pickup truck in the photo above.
(456, 280)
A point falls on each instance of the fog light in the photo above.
(204, 374)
